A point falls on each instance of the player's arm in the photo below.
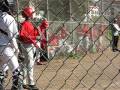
(13, 33)
(44, 24)
(116, 26)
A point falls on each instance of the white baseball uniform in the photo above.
(8, 42)
(116, 26)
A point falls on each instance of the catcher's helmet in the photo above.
(4, 5)
(28, 12)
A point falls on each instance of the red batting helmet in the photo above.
(28, 11)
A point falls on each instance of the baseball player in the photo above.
(43, 42)
(8, 45)
(116, 30)
(28, 35)
(63, 35)
(84, 36)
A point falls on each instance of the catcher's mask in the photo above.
(4, 5)
(7, 6)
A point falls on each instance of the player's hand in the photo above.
(45, 24)
(38, 37)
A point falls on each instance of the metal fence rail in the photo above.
(78, 44)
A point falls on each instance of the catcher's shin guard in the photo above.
(16, 85)
(1, 80)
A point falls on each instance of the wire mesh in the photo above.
(78, 52)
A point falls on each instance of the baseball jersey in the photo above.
(28, 33)
(8, 25)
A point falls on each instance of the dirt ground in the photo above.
(92, 72)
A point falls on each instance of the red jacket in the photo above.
(28, 33)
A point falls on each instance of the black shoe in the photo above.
(116, 50)
(18, 87)
(33, 87)
(14, 87)
(26, 86)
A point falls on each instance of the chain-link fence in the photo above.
(78, 49)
